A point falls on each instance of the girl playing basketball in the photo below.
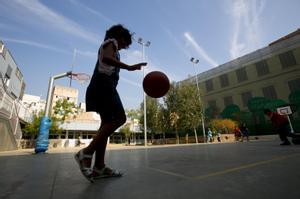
(102, 97)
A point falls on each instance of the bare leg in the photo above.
(99, 143)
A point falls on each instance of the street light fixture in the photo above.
(73, 64)
(196, 61)
(45, 124)
(144, 44)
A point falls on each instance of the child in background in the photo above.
(281, 125)
(237, 133)
(245, 132)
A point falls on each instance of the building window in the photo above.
(224, 80)
(6, 80)
(228, 100)
(294, 84)
(7, 75)
(246, 97)
(14, 95)
(212, 103)
(269, 92)
(2, 49)
(262, 68)
(18, 74)
(287, 59)
(241, 74)
(209, 85)
(22, 90)
(1, 46)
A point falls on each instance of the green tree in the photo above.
(125, 129)
(294, 98)
(64, 109)
(32, 129)
(231, 111)
(151, 115)
(189, 108)
(163, 122)
(170, 99)
(274, 104)
(223, 125)
(173, 121)
(211, 112)
(133, 113)
(256, 105)
(170, 107)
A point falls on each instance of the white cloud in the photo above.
(131, 82)
(35, 44)
(177, 43)
(87, 53)
(95, 12)
(131, 56)
(135, 56)
(199, 49)
(51, 18)
(8, 27)
(47, 47)
(246, 29)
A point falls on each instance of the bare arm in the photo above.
(108, 57)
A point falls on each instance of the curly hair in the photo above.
(117, 32)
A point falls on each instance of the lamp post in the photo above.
(144, 44)
(45, 124)
(73, 63)
(196, 61)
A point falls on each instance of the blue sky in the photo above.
(42, 36)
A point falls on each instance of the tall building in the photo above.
(12, 86)
(81, 123)
(33, 103)
(272, 73)
(62, 92)
(10, 73)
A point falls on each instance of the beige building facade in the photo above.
(272, 72)
(62, 92)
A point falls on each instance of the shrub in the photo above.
(223, 125)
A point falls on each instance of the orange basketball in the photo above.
(156, 84)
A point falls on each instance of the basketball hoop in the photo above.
(82, 78)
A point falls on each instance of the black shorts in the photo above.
(102, 97)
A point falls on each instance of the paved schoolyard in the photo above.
(257, 169)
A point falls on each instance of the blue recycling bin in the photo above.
(42, 141)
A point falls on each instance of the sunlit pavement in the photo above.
(257, 169)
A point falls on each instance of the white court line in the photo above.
(226, 171)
